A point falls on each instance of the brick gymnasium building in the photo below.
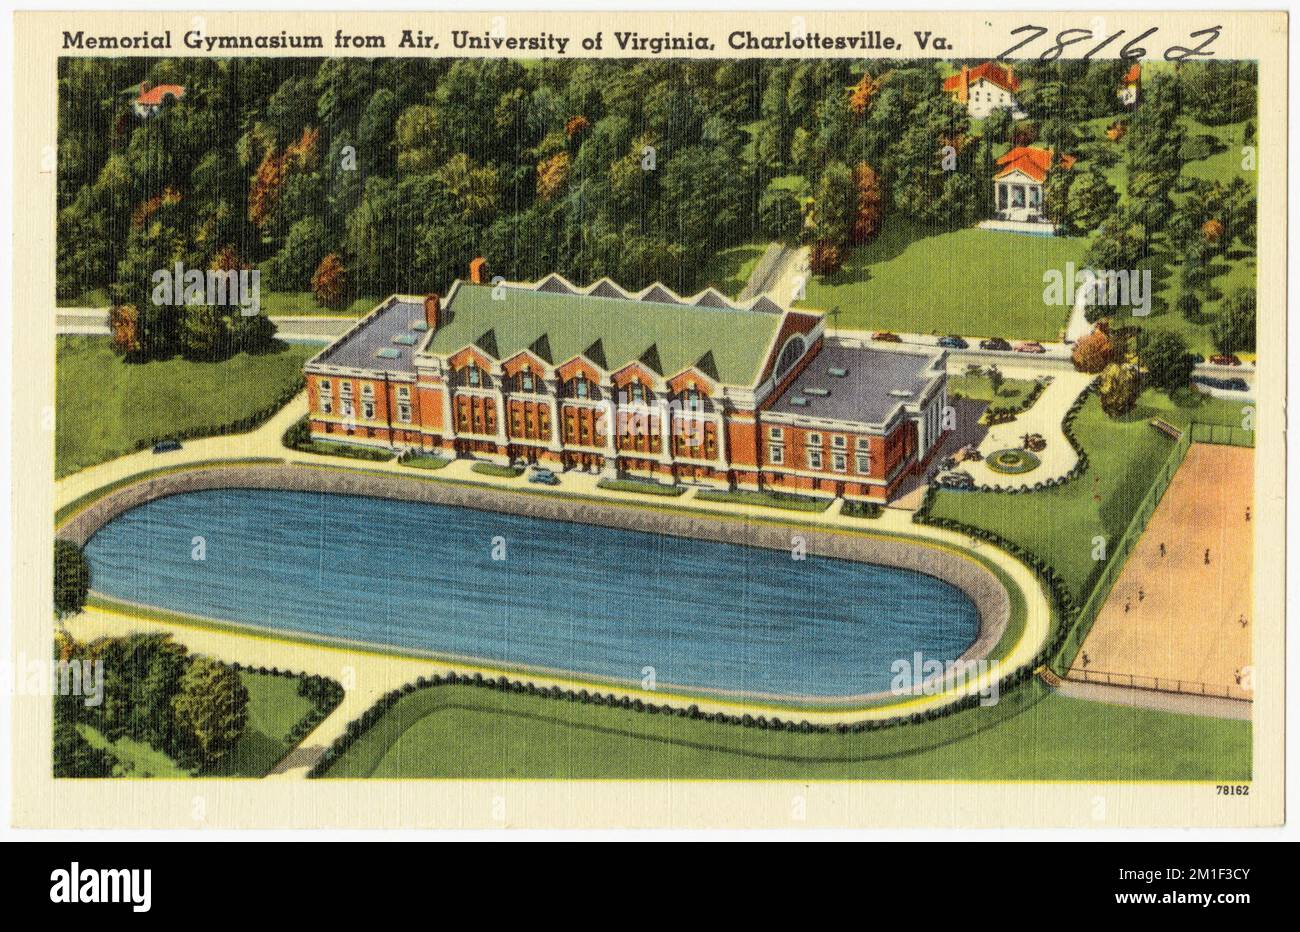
(646, 385)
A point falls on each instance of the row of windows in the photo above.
(815, 455)
(347, 404)
(816, 460)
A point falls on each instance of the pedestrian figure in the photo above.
(1162, 549)
(1236, 674)
(1207, 556)
(1086, 660)
(1141, 594)
(1242, 621)
(1127, 606)
(1247, 514)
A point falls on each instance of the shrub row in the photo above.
(862, 509)
(1003, 414)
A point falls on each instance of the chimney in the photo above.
(478, 271)
(432, 310)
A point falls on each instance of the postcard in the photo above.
(556, 419)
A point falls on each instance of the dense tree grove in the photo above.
(359, 177)
(190, 707)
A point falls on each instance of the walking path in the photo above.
(777, 274)
(1180, 703)
(1045, 417)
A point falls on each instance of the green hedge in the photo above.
(422, 460)
(862, 509)
(643, 486)
(766, 498)
(492, 469)
(298, 437)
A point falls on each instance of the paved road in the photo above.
(89, 321)
(777, 274)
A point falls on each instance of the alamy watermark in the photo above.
(240, 288)
(919, 675)
(1129, 288)
(39, 677)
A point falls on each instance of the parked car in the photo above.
(953, 342)
(166, 446)
(544, 476)
(884, 336)
(1231, 385)
(1030, 346)
(1225, 359)
(957, 479)
(995, 343)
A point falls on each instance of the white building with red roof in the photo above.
(984, 89)
(152, 97)
(1018, 183)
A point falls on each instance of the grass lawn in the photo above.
(274, 708)
(729, 269)
(493, 469)
(1059, 524)
(1232, 273)
(136, 758)
(466, 732)
(767, 499)
(979, 388)
(274, 303)
(303, 304)
(105, 408)
(969, 282)
(1188, 405)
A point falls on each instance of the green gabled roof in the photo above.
(677, 336)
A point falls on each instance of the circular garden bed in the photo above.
(1012, 461)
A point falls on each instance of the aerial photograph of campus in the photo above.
(745, 419)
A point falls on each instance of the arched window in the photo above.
(790, 354)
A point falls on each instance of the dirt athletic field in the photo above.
(1184, 617)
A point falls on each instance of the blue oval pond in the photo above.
(603, 602)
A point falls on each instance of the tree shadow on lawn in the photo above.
(254, 755)
(892, 242)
